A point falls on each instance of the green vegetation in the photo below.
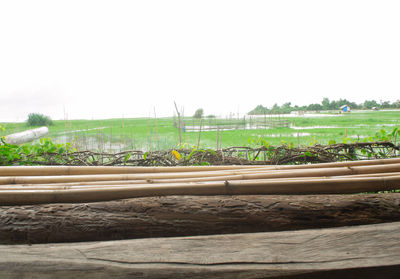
(32, 154)
(326, 104)
(37, 119)
(148, 134)
(199, 113)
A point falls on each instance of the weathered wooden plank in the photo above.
(191, 215)
(370, 251)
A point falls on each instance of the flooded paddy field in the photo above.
(147, 134)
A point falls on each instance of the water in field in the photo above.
(146, 134)
(224, 128)
(103, 143)
(238, 124)
(92, 143)
(312, 127)
(285, 135)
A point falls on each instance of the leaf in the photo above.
(191, 154)
(308, 154)
(127, 156)
(176, 154)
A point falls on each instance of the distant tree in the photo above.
(396, 104)
(316, 107)
(354, 105)
(198, 113)
(385, 104)
(342, 102)
(275, 109)
(287, 108)
(370, 104)
(37, 119)
(258, 110)
(325, 103)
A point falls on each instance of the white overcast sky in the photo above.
(102, 59)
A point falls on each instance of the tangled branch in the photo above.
(263, 155)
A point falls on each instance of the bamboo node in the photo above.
(353, 171)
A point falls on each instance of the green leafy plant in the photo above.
(33, 154)
(37, 119)
(127, 156)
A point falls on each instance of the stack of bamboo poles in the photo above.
(55, 184)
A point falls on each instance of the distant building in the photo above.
(344, 108)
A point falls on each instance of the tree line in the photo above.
(326, 104)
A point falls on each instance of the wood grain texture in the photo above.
(370, 251)
(191, 215)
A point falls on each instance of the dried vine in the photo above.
(229, 156)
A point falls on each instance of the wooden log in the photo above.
(370, 251)
(191, 215)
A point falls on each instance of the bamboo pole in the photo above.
(177, 180)
(255, 187)
(165, 182)
(343, 164)
(81, 170)
(247, 174)
(108, 177)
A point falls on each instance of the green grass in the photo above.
(160, 134)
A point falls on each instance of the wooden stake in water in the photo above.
(87, 137)
(179, 124)
(131, 139)
(110, 139)
(198, 140)
(298, 139)
(156, 130)
(123, 132)
(217, 137)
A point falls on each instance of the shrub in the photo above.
(37, 119)
(198, 113)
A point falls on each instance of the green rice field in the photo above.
(147, 134)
